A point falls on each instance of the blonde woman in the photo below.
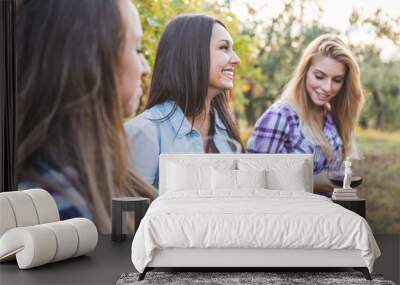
(79, 75)
(318, 109)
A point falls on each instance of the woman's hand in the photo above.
(322, 183)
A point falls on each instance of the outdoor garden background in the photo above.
(270, 44)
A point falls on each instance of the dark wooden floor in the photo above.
(389, 262)
(110, 260)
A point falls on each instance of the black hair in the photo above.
(182, 66)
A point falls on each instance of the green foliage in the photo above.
(381, 79)
(270, 48)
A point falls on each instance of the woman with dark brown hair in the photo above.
(79, 75)
(187, 111)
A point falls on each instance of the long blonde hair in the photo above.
(345, 106)
(69, 110)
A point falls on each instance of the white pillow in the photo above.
(294, 180)
(251, 178)
(282, 173)
(188, 177)
(223, 179)
(236, 179)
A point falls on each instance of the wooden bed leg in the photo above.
(364, 271)
(143, 274)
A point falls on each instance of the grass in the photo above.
(380, 170)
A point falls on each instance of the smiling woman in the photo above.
(318, 109)
(79, 74)
(187, 111)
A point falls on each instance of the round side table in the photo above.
(120, 206)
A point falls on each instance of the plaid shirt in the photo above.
(279, 131)
(70, 202)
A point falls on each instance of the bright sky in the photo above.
(335, 13)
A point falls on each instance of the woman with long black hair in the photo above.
(187, 111)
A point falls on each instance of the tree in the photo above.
(270, 48)
(381, 78)
(282, 40)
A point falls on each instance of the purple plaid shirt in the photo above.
(278, 130)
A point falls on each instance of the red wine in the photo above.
(338, 181)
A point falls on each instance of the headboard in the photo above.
(284, 166)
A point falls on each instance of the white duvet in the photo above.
(250, 218)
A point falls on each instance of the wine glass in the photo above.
(336, 176)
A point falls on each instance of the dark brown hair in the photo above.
(70, 114)
(182, 66)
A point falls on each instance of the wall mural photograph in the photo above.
(207, 141)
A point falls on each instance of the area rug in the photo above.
(243, 278)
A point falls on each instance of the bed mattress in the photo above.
(250, 219)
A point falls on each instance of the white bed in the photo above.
(203, 220)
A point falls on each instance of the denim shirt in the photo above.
(149, 136)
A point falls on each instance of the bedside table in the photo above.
(357, 206)
(120, 206)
